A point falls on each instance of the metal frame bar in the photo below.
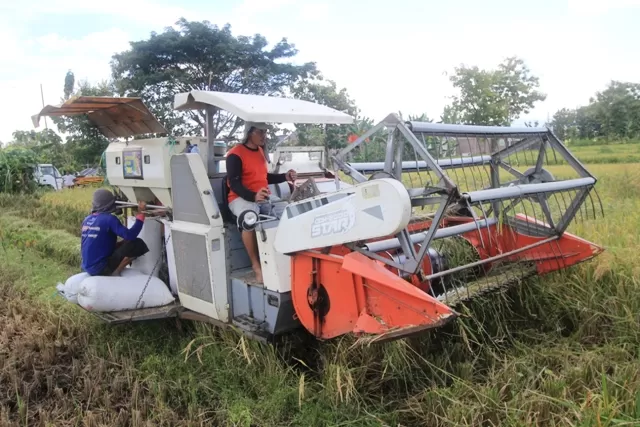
(395, 166)
(413, 262)
(452, 129)
(388, 157)
(346, 150)
(542, 200)
(399, 147)
(213, 165)
(521, 145)
(511, 170)
(517, 191)
(135, 205)
(344, 167)
(441, 233)
(422, 151)
(491, 259)
(541, 153)
(430, 233)
(411, 165)
(570, 158)
(572, 210)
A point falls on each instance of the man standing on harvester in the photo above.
(248, 180)
(102, 255)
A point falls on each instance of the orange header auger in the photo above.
(384, 264)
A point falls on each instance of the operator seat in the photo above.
(221, 190)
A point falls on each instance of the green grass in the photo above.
(610, 153)
(559, 350)
(590, 154)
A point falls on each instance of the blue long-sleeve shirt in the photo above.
(99, 236)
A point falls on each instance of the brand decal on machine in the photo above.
(333, 223)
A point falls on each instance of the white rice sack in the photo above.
(151, 234)
(71, 287)
(119, 293)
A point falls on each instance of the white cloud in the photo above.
(314, 11)
(599, 7)
(98, 44)
(390, 68)
(255, 7)
(405, 72)
(147, 11)
(46, 63)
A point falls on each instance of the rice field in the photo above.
(563, 350)
(613, 153)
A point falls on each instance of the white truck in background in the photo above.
(48, 175)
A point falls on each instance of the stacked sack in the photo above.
(116, 293)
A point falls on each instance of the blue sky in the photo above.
(389, 55)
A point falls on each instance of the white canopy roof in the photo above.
(260, 108)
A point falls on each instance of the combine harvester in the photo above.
(378, 249)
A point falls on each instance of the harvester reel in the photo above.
(531, 176)
(534, 176)
(467, 199)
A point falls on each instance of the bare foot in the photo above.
(258, 273)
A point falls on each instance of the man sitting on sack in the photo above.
(248, 179)
(102, 255)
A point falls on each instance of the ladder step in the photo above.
(248, 323)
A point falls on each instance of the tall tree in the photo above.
(16, 169)
(324, 93)
(493, 97)
(587, 122)
(201, 56)
(69, 84)
(564, 123)
(46, 145)
(372, 146)
(612, 114)
(617, 110)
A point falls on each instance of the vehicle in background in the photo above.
(46, 174)
(89, 176)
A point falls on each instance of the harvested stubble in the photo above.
(24, 233)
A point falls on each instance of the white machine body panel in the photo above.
(141, 168)
(193, 282)
(171, 261)
(276, 267)
(371, 209)
(199, 252)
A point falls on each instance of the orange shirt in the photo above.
(254, 169)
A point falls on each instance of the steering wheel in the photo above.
(291, 185)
